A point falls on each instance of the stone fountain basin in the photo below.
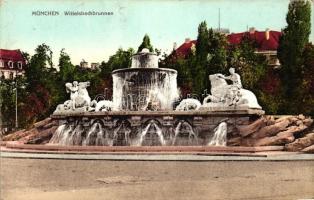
(210, 113)
(201, 122)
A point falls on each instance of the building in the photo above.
(12, 63)
(94, 65)
(83, 64)
(266, 43)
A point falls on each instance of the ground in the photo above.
(87, 179)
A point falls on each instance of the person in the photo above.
(73, 89)
(234, 77)
(233, 96)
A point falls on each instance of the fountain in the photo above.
(144, 86)
(142, 111)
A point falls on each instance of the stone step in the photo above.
(236, 149)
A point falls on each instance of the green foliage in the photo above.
(290, 53)
(199, 61)
(307, 86)
(146, 44)
(250, 66)
(217, 53)
(67, 69)
(40, 79)
(8, 101)
(202, 41)
(39, 63)
(121, 59)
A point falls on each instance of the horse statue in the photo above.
(79, 97)
(228, 95)
(83, 99)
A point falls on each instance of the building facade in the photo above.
(12, 63)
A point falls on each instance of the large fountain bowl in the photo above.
(144, 89)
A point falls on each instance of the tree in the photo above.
(38, 65)
(307, 87)
(251, 66)
(291, 46)
(199, 61)
(67, 69)
(217, 49)
(121, 59)
(202, 41)
(41, 82)
(146, 44)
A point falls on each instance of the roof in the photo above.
(12, 55)
(263, 44)
(185, 48)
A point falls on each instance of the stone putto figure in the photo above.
(73, 89)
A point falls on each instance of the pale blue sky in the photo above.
(95, 38)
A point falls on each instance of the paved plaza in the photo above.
(55, 178)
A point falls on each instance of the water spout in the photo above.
(184, 128)
(153, 129)
(220, 135)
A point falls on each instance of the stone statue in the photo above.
(189, 104)
(224, 95)
(73, 89)
(234, 77)
(103, 105)
(79, 97)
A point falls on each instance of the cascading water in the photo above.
(152, 134)
(144, 86)
(56, 138)
(184, 134)
(121, 135)
(96, 136)
(153, 129)
(220, 135)
(76, 136)
(66, 134)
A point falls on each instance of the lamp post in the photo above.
(16, 118)
(16, 121)
(15, 89)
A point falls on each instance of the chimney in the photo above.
(187, 40)
(267, 34)
(252, 30)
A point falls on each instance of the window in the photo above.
(1, 64)
(10, 64)
(11, 75)
(19, 65)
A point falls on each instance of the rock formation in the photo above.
(268, 131)
(39, 133)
